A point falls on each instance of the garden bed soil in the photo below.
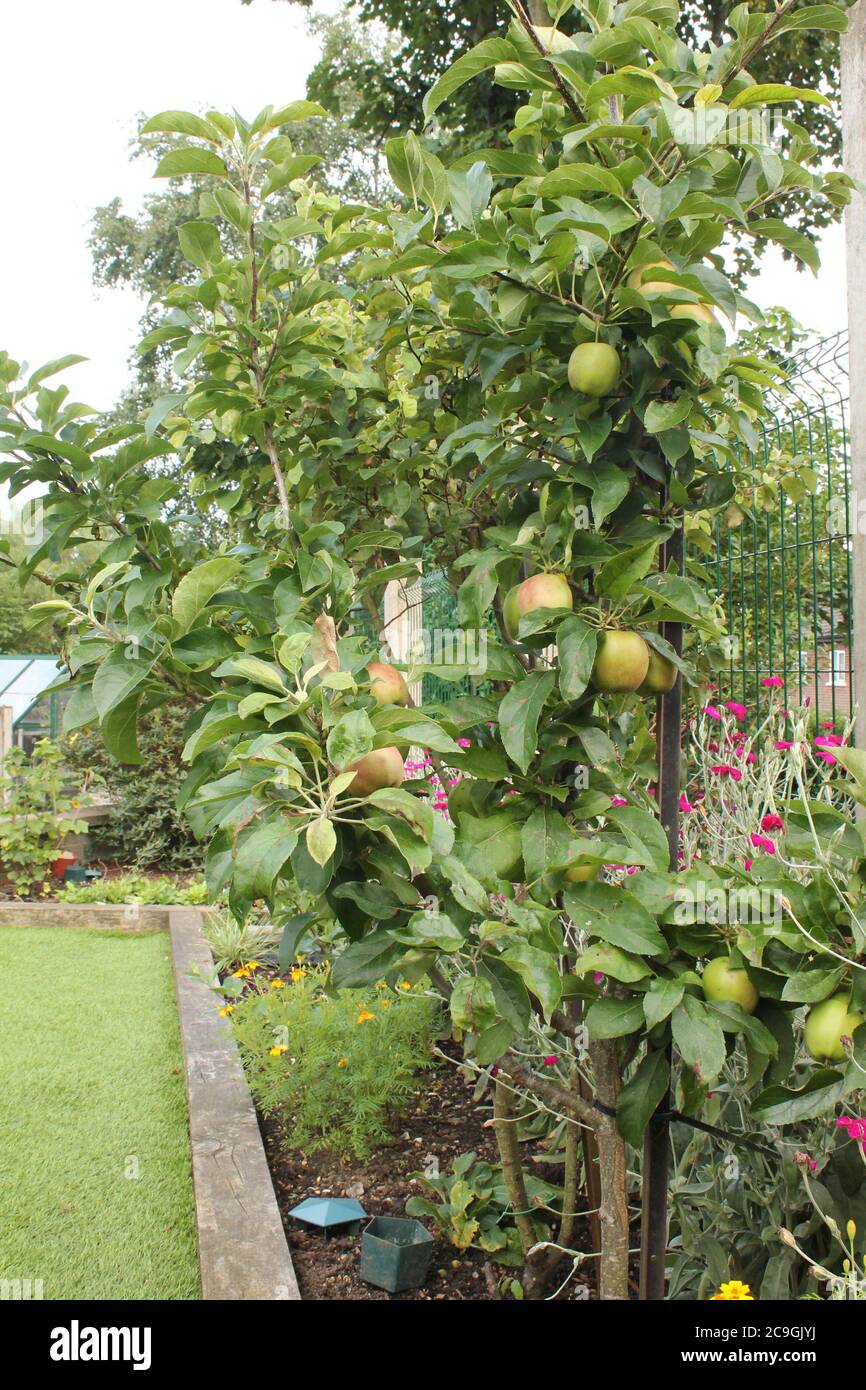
(444, 1120)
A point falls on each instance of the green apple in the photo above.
(826, 1025)
(541, 591)
(582, 873)
(621, 662)
(699, 313)
(381, 768)
(593, 369)
(661, 674)
(722, 981)
(387, 685)
(636, 280)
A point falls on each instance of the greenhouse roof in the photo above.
(23, 679)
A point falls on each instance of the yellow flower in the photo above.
(297, 974)
(364, 1016)
(279, 1050)
(342, 1062)
(251, 965)
(229, 1009)
(242, 974)
(404, 984)
(381, 984)
(732, 1291)
(278, 984)
(386, 1003)
(299, 958)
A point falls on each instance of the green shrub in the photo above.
(232, 942)
(334, 1069)
(133, 888)
(146, 830)
(35, 814)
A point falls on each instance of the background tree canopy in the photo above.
(378, 58)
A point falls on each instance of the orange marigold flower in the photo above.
(296, 974)
(229, 1009)
(364, 1016)
(242, 973)
(404, 984)
(251, 965)
(278, 984)
(278, 1050)
(342, 1062)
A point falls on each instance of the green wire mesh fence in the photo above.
(785, 571)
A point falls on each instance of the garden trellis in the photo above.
(785, 572)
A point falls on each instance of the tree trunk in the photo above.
(613, 1265)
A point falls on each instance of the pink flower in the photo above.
(712, 713)
(761, 842)
(775, 682)
(856, 1128)
(805, 1161)
(826, 758)
(597, 978)
(725, 770)
(494, 1071)
(747, 864)
(618, 801)
(551, 1061)
(738, 711)
(782, 745)
(829, 741)
(465, 742)
(685, 804)
(828, 725)
(713, 746)
(772, 822)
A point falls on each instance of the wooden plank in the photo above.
(103, 917)
(242, 1247)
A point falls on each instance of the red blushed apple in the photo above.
(387, 685)
(381, 768)
(541, 591)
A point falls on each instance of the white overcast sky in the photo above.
(76, 75)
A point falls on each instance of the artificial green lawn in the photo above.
(95, 1184)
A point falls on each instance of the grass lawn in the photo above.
(95, 1183)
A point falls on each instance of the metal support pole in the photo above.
(854, 143)
(656, 1152)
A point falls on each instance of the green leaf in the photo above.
(619, 574)
(321, 840)
(494, 1043)
(641, 1096)
(350, 739)
(576, 644)
(80, 710)
(659, 202)
(59, 364)
(484, 55)
(644, 833)
(765, 92)
(512, 998)
(200, 243)
(366, 961)
(615, 916)
(661, 999)
(116, 679)
(546, 839)
(190, 160)
(473, 1007)
(417, 814)
(665, 415)
(699, 1039)
(431, 930)
(808, 986)
(610, 960)
(118, 729)
(829, 18)
(781, 1105)
(796, 242)
(261, 853)
(197, 588)
(519, 714)
(614, 1018)
(181, 123)
(539, 973)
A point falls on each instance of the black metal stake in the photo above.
(656, 1152)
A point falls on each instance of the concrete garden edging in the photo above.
(242, 1249)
